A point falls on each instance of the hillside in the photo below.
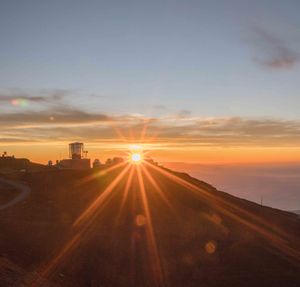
(162, 228)
(10, 164)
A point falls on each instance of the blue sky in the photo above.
(210, 58)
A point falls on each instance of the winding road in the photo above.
(21, 187)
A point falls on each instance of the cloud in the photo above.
(278, 184)
(68, 124)
(57, 116)
(274, 53)
(44, 96)
(15, 140)
(9, 98)
(182, 114)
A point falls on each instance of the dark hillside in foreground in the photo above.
(200, 236)
(10, 164)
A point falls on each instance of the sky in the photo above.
(213, 81)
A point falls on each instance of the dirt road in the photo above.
(23, 189)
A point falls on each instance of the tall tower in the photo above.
(77, 158)
(76, 150)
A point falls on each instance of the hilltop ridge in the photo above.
(163, 228)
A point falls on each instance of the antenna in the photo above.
(85, 153)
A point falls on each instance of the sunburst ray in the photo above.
(153, 250)
(125, 193)
(88, 215)
(101, 198)
(157, 188)
(100, 173)
(260, 226)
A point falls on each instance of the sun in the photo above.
(136, 154)
(136, 157)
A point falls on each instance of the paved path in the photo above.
(21, 187)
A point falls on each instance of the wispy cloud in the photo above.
(273, 52)
(57, 116)
(183, 114)
(67, 124)
(40, 97)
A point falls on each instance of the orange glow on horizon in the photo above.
(205, 155)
